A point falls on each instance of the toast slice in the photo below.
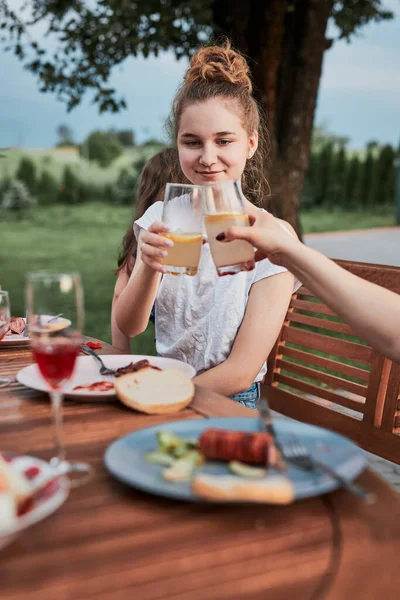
(155, 392)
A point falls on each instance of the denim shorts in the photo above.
(249, 397)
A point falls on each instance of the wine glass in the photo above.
(183, 213)
(224, 207)
(55, 345)
(5, 316)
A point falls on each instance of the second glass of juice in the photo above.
(224, 207)
(183, 213)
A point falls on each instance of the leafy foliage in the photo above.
(17, 198)
(65, 136)
(102, 147)
(92, 38)
(26, 173)
(47, 189)
(70, 188)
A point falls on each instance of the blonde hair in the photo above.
(221, 72)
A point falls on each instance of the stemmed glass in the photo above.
(183, 213)
(5, 317)
(224, 207)
(55, 346)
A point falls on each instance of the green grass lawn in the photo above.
(84, 239)
(318, 220)
(87, 239)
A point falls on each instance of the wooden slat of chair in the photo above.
(308, 371)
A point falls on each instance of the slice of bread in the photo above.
(155, 392)
(273, 489)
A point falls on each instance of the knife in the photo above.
(266, 424)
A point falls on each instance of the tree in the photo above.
(26, 173)
(17, 198)
(69, 191)
(285, 41)
(352, 182)
(338, 177)
(47, 188)
(366, 179)
(101, 147)
(385, 176)
(65, 136)
(125, 137)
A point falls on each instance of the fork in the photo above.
(103, 369)
(297, 454)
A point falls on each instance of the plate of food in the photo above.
(29, 492)
(17, 333)
(229, 460)
(140, 381)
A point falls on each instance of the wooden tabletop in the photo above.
(109, 541)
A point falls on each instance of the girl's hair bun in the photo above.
(219, 64)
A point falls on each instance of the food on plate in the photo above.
(243, 470)
(182, 468)
(97, 386)
(94, 345)
(154, 391)
(274, 489)
(251, 448)
(133, 367)
(14, 489)
(180, 455)
(245, 483)
(17, 326)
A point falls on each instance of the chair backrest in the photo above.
(320, 372)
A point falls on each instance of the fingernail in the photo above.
(163, 253)
(220, 237)
(168, 242)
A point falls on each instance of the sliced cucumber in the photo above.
(159, 458)
(243, 470)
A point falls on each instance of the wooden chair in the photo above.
(320, 372)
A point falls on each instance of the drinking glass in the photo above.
(183, 213)
(5, 316)
(55, 346)
(224, 207)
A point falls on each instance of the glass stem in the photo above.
(56, 406)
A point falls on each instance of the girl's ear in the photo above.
(253, 144)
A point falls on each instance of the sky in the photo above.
(359, 94)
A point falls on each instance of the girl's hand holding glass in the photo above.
(154, 246)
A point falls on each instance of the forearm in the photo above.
(226, 379)
(372, 311)
(133, 307)
(119, 339)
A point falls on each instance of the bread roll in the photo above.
(155, 392)
(273, 489)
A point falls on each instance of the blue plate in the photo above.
(124, 458)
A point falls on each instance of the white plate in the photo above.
(16, 339)
(48, 503)
(87, 371)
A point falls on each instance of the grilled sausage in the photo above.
(251, 448)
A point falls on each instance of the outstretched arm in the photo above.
(372, 311)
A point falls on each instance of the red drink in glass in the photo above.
(56, 362)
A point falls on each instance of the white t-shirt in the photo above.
(197, 318)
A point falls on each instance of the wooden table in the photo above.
(109, 541)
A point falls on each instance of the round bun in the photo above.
(219, 63)
(155, 392)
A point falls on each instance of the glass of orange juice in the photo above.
(224, 207)
(183, 213)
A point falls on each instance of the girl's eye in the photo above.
(192, 144)
(224, 142)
